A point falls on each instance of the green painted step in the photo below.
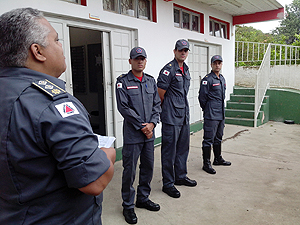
(243, 91)
(240, 121)
(240, 105)
(235, 113)
(242, 98)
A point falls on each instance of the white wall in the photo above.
(282, 76)
(158, 39)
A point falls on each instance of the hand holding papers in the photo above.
(105, 141)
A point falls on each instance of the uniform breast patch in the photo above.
(132, 87)
(216, 84)
(67, 109)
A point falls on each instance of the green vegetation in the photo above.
(288, 33)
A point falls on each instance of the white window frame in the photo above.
(73, 1)
(133, 12)
(191, 14)
(212, 31)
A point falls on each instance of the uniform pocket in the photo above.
(134, 95)
(179, 107)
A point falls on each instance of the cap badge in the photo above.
(184, 42)
(139, 50)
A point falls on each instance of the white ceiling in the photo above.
(242, 7)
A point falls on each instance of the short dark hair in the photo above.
(19, 29)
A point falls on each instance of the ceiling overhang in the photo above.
(259, 16)
(247, 11)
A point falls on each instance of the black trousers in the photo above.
(213, 132)
(130, 154)
(174, 152)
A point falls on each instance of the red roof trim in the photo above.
(259, 16)
(154, 12)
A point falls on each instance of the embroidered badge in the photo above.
(42, 82)
(67, 109)
(119, 85)
(166, 72)
(179, 74)
(204, 82)
(216, 84)
(48, 86)
(55, 91)
(132, 87)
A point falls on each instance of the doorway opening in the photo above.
(87, 74)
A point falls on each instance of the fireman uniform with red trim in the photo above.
(48, 150)
(138, 102)
(175, 122)
(211, 98)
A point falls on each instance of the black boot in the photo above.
(206, 160)
(219, 161)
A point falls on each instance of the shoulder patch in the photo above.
(166, 72)
(119, 85)
(67, 109)
(204, 82)
(49, 88)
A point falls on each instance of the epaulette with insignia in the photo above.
(49, 88)
(148, 75)
(122, 76)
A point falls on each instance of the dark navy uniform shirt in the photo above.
(48, 151)
(175, 107)
(212, 96)
(138, 102)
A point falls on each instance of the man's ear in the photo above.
(37, 51)
(129, 60)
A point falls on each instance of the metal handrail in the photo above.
(262, 82)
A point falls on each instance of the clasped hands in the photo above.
(148, 129)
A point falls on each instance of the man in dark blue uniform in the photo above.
(211, 98)
(173, 85)
(139, 104)
(51, 169)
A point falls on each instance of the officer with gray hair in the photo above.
(51, 169)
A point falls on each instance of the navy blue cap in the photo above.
(216, 58)
(136, 52)
(182, 44)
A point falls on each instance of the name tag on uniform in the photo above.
(132, 87)
(179, 74)
(216, 84)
